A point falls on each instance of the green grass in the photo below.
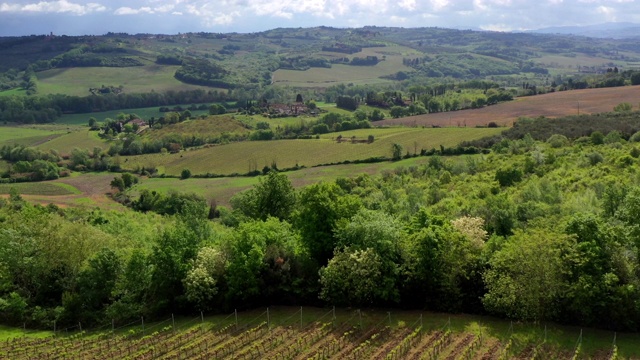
(144, 113)
(26, 135)
(39, 188)
(212, 126)
(14, 92)
(7, 332)
(137, 79)
(251, 155)
(341, 74)
(222, 189)
(81, 138)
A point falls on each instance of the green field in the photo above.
(144, 113)
(212, 126)
(254, 155)
(39, 188)
(13, 92)
(137, 79)
(340, 74)
(80, 138)
(27, 135)
(222, 189)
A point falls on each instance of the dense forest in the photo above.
(534, 230)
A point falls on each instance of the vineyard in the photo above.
(350, 335)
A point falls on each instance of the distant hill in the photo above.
(621, 30)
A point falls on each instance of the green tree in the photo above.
(396, 152)
(185, 174)
(132, 289)
(441, 266)
(623, 107)
(201, 282)
(272, 196)
(357, 278)
(95, 286)
(262, 262)
(173, 252)
(525, 278)
(321, 207)
(397, 112)
(376, 115)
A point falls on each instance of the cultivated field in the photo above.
(212, 126)
(27, 135)
(338, 74)
(550, 105)
(47, 188)
(312, 333)
(92, 189)
(245, 156)
(80, 138)
(136, 79)
(144, 113)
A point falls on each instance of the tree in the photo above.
(525, 278)
(272, 196)
(185, 174)
(623, 107)
(357, 278)
(262, 263)
(396, 151)
(509, 176)
(376, 115)
(397, 112)
(117, 183)
(201, 282)
(321, 207)
(95, 285)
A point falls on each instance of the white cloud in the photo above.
(60, 6)
(256, 15)
(129, 11)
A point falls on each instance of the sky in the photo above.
(97, 17)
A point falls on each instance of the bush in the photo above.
(613, 137)
(558, 141)
(597, 138)
(635, 137)
(185, 174)
(595, 158)
(508, 177)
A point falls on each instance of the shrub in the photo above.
(595, 158)
(635, 137)
(185, 174)
(597, 138)
(558, 141)
(623, 107)
(508, 177)
(613, 137)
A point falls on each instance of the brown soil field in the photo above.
(557, 104)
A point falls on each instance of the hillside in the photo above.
(311, 57)
(557, 104)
